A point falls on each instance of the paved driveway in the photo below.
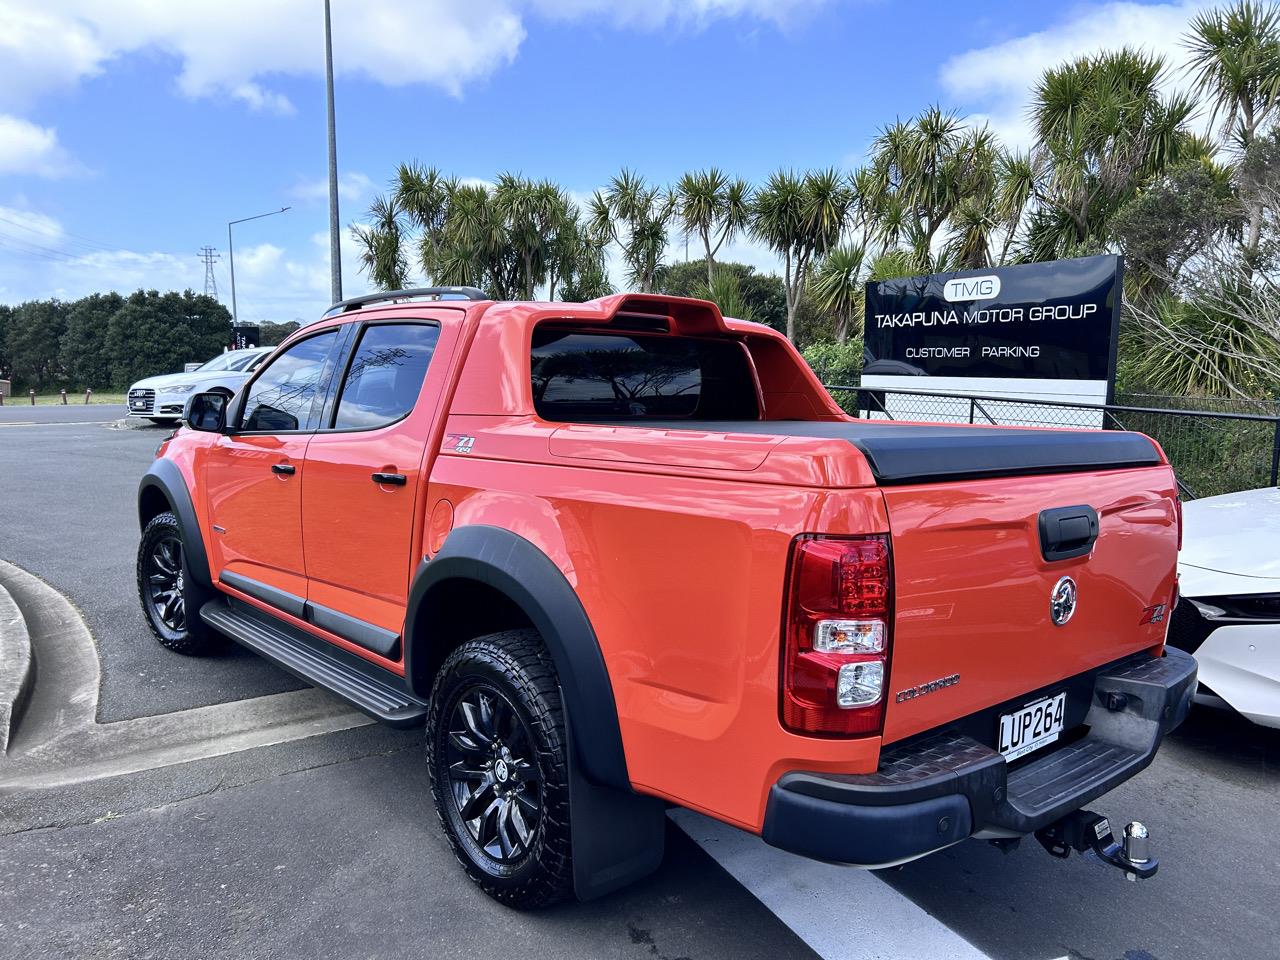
(68, 514)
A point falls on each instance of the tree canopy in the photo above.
(107, 341)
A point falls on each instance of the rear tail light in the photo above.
(1177, 499)
(838, 627)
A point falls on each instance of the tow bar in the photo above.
(1086, 831)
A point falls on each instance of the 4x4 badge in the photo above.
(461, 442)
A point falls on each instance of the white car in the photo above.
(1229, 615)
(162, 399)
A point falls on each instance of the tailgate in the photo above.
(973, 587)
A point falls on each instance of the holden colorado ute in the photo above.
(626, 554)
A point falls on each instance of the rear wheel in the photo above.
(171, 600)
(498, 761)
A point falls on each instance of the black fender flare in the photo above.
(525, 575)
(165, 477)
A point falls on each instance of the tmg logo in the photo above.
(971, 288)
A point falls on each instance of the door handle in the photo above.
(1067, 532)
(286, 468)
(394, 479)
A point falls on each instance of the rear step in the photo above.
(366, 687)
(1047, 783)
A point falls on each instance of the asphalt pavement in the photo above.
(327, 845)
(341, 858)
(68, 514)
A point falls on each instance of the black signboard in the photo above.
(1053, 321)
(245, 335)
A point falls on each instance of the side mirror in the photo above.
(206, 411)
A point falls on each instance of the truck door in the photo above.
(253, 477)
(364, 491)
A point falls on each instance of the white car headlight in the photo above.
(179, 388)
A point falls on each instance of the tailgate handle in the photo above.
(1067, 532)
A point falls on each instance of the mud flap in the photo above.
(618, 836)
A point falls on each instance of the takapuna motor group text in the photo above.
(946, 318)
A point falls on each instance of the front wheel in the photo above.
(171, 600)
(498, 761)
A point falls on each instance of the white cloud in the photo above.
(352, 187)
(27, 148)
(234, 46)
(651, 14)
(260, 99)
(995, 82)
(30, 227)
(43, 49)
(260, 261)
(39, 259)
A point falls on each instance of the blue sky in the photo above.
(131, 132)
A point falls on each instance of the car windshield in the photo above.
(231, 360)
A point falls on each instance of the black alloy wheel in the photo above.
(499, 767)
(493, 773)
(170, 598)
(165, 582)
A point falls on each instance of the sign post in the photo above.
(245, 335)
(1044, 331)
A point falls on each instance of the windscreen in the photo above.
(231, 360)
(614, 376)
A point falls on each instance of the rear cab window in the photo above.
(608, 377)
(385, 376)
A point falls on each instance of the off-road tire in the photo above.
(190, 635)
(516, 665)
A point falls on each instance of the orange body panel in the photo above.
(676, 542)
(362, 537)
(973, 590)
(255, 514)
(682, 580)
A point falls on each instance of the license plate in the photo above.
(1031, 727)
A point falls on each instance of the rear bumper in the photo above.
(936, 790)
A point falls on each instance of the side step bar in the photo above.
(366, 687)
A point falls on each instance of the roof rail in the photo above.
(415, 293)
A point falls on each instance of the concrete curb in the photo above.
(17, 667)
(65, 698)
(61, 742)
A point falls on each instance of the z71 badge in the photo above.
(461, 442)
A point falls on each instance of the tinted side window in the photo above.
(280, 399)
(607, 376)
(385, 376)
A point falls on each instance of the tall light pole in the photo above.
(335, 240)
(231, 251)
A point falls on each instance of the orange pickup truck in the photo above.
(629, 553)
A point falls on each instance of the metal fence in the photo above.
(1266, 408)
(1212, 451)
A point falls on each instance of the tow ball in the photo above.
(1086, 831)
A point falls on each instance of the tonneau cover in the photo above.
(901, 453)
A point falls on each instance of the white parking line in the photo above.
(841, 912)
(53, 423)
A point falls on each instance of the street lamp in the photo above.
(231, 251)
(335, 244)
